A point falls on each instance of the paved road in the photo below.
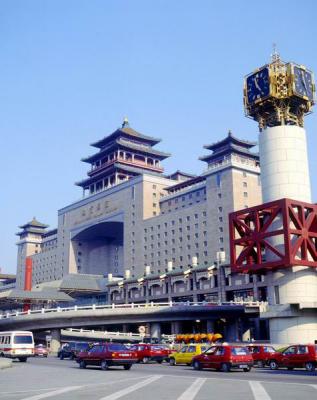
(63, 380)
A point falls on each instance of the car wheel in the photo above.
(225, 367)
(197, 366)
(61, 357)
(310, 366)
(72, 357)
(290, 368)
(82, 364)
(172, 362)
(145, 360)
(247, 369)
(273, 365)
(104, 365)
(159, 361)
(127, 367)
(22, 359)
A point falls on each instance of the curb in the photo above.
(5, 364)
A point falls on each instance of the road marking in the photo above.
(258, 391)
(190, 393)
(130, 389)
(113, 382)
(54, 393)
(314, 386)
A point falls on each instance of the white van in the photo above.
(17, 344)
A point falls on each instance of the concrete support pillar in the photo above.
(176, 327)
(155, 329)
(232, 332)
(55, 341)
(210, 326)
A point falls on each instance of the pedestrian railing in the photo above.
(262, 306)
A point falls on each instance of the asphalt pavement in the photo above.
(52, 378)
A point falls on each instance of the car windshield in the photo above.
(158, 347)
(116, 347)
(240, 351)
(22, 339)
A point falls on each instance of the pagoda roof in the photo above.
(229, 148)
(17, 295)
(184, 184)
(230, 139)
(115, 167)
(121, 143)
(34, 224)
(181, 173)
(126, 131)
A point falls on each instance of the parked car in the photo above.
(186, 354)
(40, 350)
(296, 356)
(72, 349)
(224, 358)
(106, 355)
(151, 352)
(261, 354)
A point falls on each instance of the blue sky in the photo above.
(71, 70)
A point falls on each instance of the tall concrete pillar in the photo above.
(285, 174)
(55, 341)
(155, 329)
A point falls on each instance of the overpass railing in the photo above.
(261, 304)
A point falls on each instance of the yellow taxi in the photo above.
(186, 353)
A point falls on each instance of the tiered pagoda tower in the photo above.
(228, 150)
(122, 155)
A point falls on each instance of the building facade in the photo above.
(133, 217)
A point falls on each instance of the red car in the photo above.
(40, 350)
(224, 358)
(297, 356)
(261, 354)
(151, 352)
(106, 355)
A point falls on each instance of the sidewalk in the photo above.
(5, 363)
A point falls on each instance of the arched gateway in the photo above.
(98, 249)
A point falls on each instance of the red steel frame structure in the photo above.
(274, 235)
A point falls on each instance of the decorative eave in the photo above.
(135, 171)
(181, 173)
(229, 149)
(185, 184)
(34, 223)
(127, 132)
(121, 144)
(230, 139)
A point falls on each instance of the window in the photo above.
(220, 209)
(218, 180)
(277, 295)
(245, 184)
(196, 216)
(219, 196)
(133, 193)
(154, 187)
(244, 174)
(220, 219)
(220, 229)
(180, 220)
(245, 194)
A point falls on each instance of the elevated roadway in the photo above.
(103, 315)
